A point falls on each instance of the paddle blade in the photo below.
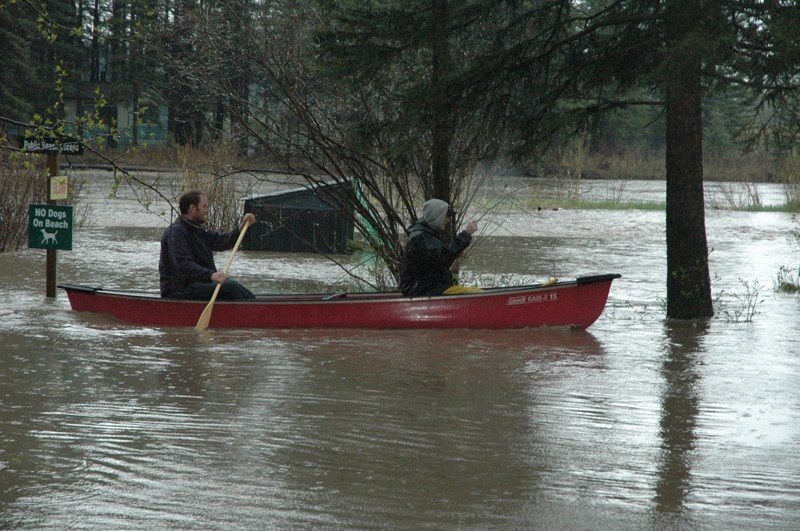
(205, 317)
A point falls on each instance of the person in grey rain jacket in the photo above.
(427, 259)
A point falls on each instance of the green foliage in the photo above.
(634, 129)
(16, 72)
(528, 74)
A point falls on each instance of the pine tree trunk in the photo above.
(688, 282)
(440, 133)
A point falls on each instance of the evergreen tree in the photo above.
(696, 49)
(183, 87)
(133, 69)
(688, 280)
(683, 50)
(17, 74)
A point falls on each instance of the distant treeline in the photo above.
(135, 71)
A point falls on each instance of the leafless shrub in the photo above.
(212, 171)
(23, 182)
(790, 175)
(747, 303)
(738, 196)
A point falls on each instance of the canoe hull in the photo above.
(575, 303)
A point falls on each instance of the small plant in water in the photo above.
(634, 311)
(747, 305)
(789, 277)
(740, 196)
(788, 280)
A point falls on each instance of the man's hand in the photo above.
(219, 277)
(248, 219)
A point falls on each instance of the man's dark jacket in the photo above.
(427, 260)
(187, 254)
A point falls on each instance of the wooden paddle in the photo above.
(205, 317)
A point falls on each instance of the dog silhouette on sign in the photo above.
(49, 237)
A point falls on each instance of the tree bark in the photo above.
(440, 133)
(688, 281)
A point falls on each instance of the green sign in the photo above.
(50, 227)
(51, 145)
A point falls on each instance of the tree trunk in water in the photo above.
(688, 282)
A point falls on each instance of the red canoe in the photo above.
(576, 303)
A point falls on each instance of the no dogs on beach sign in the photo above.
(50, 227)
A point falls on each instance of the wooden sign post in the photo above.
(52, 147)
(52, 254)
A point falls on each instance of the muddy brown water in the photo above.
(635, 423)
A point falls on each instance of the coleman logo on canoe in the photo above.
(538, 297)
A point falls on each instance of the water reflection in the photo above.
(422, 437)
(680, 404)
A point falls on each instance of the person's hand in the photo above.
(248, 219)
(472, 227)
(218, 277)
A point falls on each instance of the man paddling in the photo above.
(427, 259)
(186, 265)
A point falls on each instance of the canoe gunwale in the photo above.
(381, 296)
(573, 303)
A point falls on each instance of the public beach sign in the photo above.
(50, 227)
(51, 145)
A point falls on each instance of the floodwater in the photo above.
(636, 423)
